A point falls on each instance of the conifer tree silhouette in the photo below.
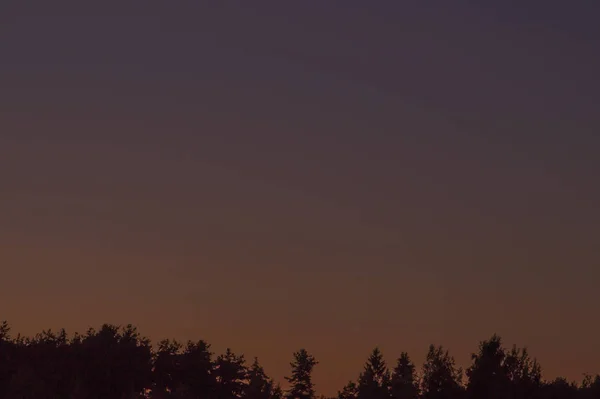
(118, 362)
(301, 385)
(441, 379)
(374, 381)
(404, 383)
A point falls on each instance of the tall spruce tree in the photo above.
(197, 374)
(301, 385)
(374, 381)
(440, 377)
(230, 375)
(259, 385)
(404, 382)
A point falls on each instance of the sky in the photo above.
(331, 175)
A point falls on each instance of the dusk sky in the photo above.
(333, 175)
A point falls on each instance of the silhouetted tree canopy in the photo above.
(374, 381)
(350, 391)
(117, 362)
(301, 385)
(231, 375)
(404, 383)
(260, 386)
(487, 373)
(441, 379)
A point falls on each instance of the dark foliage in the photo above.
(404, 383)
(301, 385)
(374, 381)
(117, 362)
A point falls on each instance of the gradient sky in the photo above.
(330, 175)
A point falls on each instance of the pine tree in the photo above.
(167, 372)
(374, 381)
(350, 391)
(441, 379)
(404, 383)
(277, 392)
(196, 370)
(301, 385)
(259, 385)
(4, 331)
(230, 374)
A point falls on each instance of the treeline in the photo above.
(117, 362)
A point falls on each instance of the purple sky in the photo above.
(333, 175)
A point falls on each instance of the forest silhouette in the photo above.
(117, 362)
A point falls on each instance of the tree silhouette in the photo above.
(350, 391)
(301, 385)
(7, 359)
(590, 387)
(197, 372)
(404, 383)
(230, 374)
(114, 363)
(441, 379)
(487, 376)
(374, 381)
(560, 388)
(523, 373)
(259, 385)
(117, 362)
(277, 392)
(167, 379)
